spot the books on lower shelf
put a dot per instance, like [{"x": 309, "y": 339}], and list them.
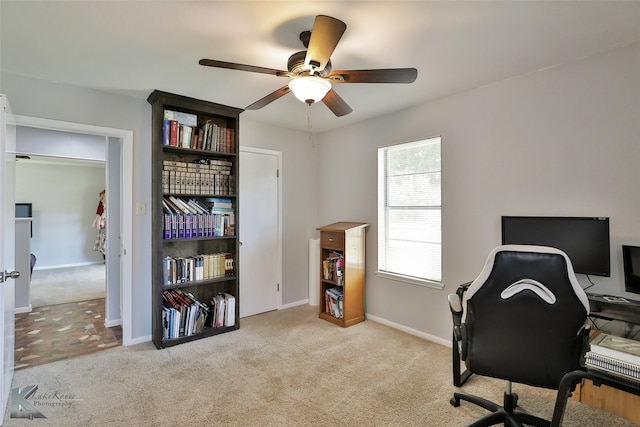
[
  {"x": 224, "y": 310},
  {"x": 183, "y": 315},
  {"x": 334, "y": 302},
  {"x": 615, "y": 355}
]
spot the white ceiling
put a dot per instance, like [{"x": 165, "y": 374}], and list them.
[{"x": 134, "y": 47}]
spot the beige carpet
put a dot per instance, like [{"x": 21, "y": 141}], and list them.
[
  {"x": 69, "y": 284},
  {"x": 283, "y": 368}
]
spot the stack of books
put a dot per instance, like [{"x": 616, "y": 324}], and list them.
[{"x": 618, "y": 356}]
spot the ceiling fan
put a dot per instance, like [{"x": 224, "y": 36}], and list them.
[{"x": 310, "y": 70}]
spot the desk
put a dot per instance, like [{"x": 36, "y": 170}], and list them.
[
  {"x": 599, "y": 379},
  {"x": 602, "y": 308}
]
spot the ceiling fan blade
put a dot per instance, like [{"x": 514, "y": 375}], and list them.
[
  {"x": 325, "y": 35},
  {"x": 390, "y": 75},
  {"x": 269, "y": 98},
  {"x": 336, "y": 104},
  {"x": 241, "y": 67}
]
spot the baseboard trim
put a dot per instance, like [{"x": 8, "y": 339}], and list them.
[
  {"x": 408, "y": 330},
  {"x": 54, "y": 267},
  {"x": 386, "y": 322},
  {"x": 27, "y": 309},
  {"x": 138, "y": 340},
  {"x": 112, "y": 323},
  {"x": 294, "y": 304}
]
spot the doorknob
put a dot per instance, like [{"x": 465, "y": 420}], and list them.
[{"x": 6, "y": 275}]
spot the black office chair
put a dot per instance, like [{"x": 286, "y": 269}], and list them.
[{"x": 524, "y": 320}]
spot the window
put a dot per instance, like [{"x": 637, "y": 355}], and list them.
[{"x": 409, "y": 212}]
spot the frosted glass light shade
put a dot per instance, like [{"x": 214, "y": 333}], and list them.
[{"x": 309, "y": 89}]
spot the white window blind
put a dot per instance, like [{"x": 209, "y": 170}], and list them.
[{"x": 409, "y": 211}]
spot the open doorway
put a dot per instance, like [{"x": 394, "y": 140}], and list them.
[
  {"x": 66, "y": 197},
  {"x": 119, "y": 167}
]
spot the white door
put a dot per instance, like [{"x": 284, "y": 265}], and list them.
[
  {"x": 7, "y": 251},
  {"x": 259, "y": 232}
]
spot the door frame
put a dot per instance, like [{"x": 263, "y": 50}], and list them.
[
  {"x": 7, "y": 250},
  {"x": 278, "y": 155},
  {"x": 126, "y": 204}
]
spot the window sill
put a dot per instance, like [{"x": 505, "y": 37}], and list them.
[{"x": 410, "y": 280}]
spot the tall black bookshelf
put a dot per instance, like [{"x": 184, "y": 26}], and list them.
[{"x": 195, "y": 248}]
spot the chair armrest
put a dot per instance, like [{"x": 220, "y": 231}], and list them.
[
  {"x": 455, "y": 305},
  {"x": 459, "y": 345},
  {"x": 583, "y": 345}
]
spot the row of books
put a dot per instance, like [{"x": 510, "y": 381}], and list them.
[
  {"x": 334, "y": 302},
  {"x": 182, "y": 130},
  {"x": 333, "y": 268},
  {"x": 183, "y": 315},
  {"x": 193, "y": 218},
  {"x": 198, "y": 267},
  {"x": 615, "y": 355},
  {"x": 196, "y": 178}
]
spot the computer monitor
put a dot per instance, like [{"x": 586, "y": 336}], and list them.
[
  {"x": 631, "y": 263},
  {"x": 24, "y": 210},
  {"x": 584, "y": 239}
]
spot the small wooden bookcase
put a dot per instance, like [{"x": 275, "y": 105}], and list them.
[{"x": 342, "y": 263}]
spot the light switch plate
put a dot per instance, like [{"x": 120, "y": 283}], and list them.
[{"x": 140, "y": 208}]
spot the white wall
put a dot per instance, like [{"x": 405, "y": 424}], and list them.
[
  {"x": 60, "y": 144},
  {"x": 64, "y": 197},
  {"x": 564, "y": 141}
]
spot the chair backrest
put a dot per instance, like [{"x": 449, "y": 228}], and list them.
[{"x": 524, "y": 316}]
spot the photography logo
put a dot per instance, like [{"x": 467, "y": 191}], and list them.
[{"x": 21, "y": 407}]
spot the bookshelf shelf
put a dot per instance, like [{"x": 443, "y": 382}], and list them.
[
  {"x": 195, "y": 248},
  {"x": 192, "y": 239},
  {"x": 342, "y": 256},
  {"x": 199, "y": 282}
]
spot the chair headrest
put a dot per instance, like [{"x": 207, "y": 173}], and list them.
[{"x": 528, "y": 284}]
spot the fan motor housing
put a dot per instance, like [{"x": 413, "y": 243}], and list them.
[{"x": 295, "y": 65}]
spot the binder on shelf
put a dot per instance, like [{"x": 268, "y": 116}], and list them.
[{"x": 230, "y": 307}]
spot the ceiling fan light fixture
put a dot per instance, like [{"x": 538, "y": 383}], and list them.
[{"x": 309, "y": 89}]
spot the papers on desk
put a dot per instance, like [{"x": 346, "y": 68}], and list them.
[{"x": 615, "y": 355}]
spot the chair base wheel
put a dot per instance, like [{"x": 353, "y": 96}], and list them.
[{"x": 454, "y": 402}]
